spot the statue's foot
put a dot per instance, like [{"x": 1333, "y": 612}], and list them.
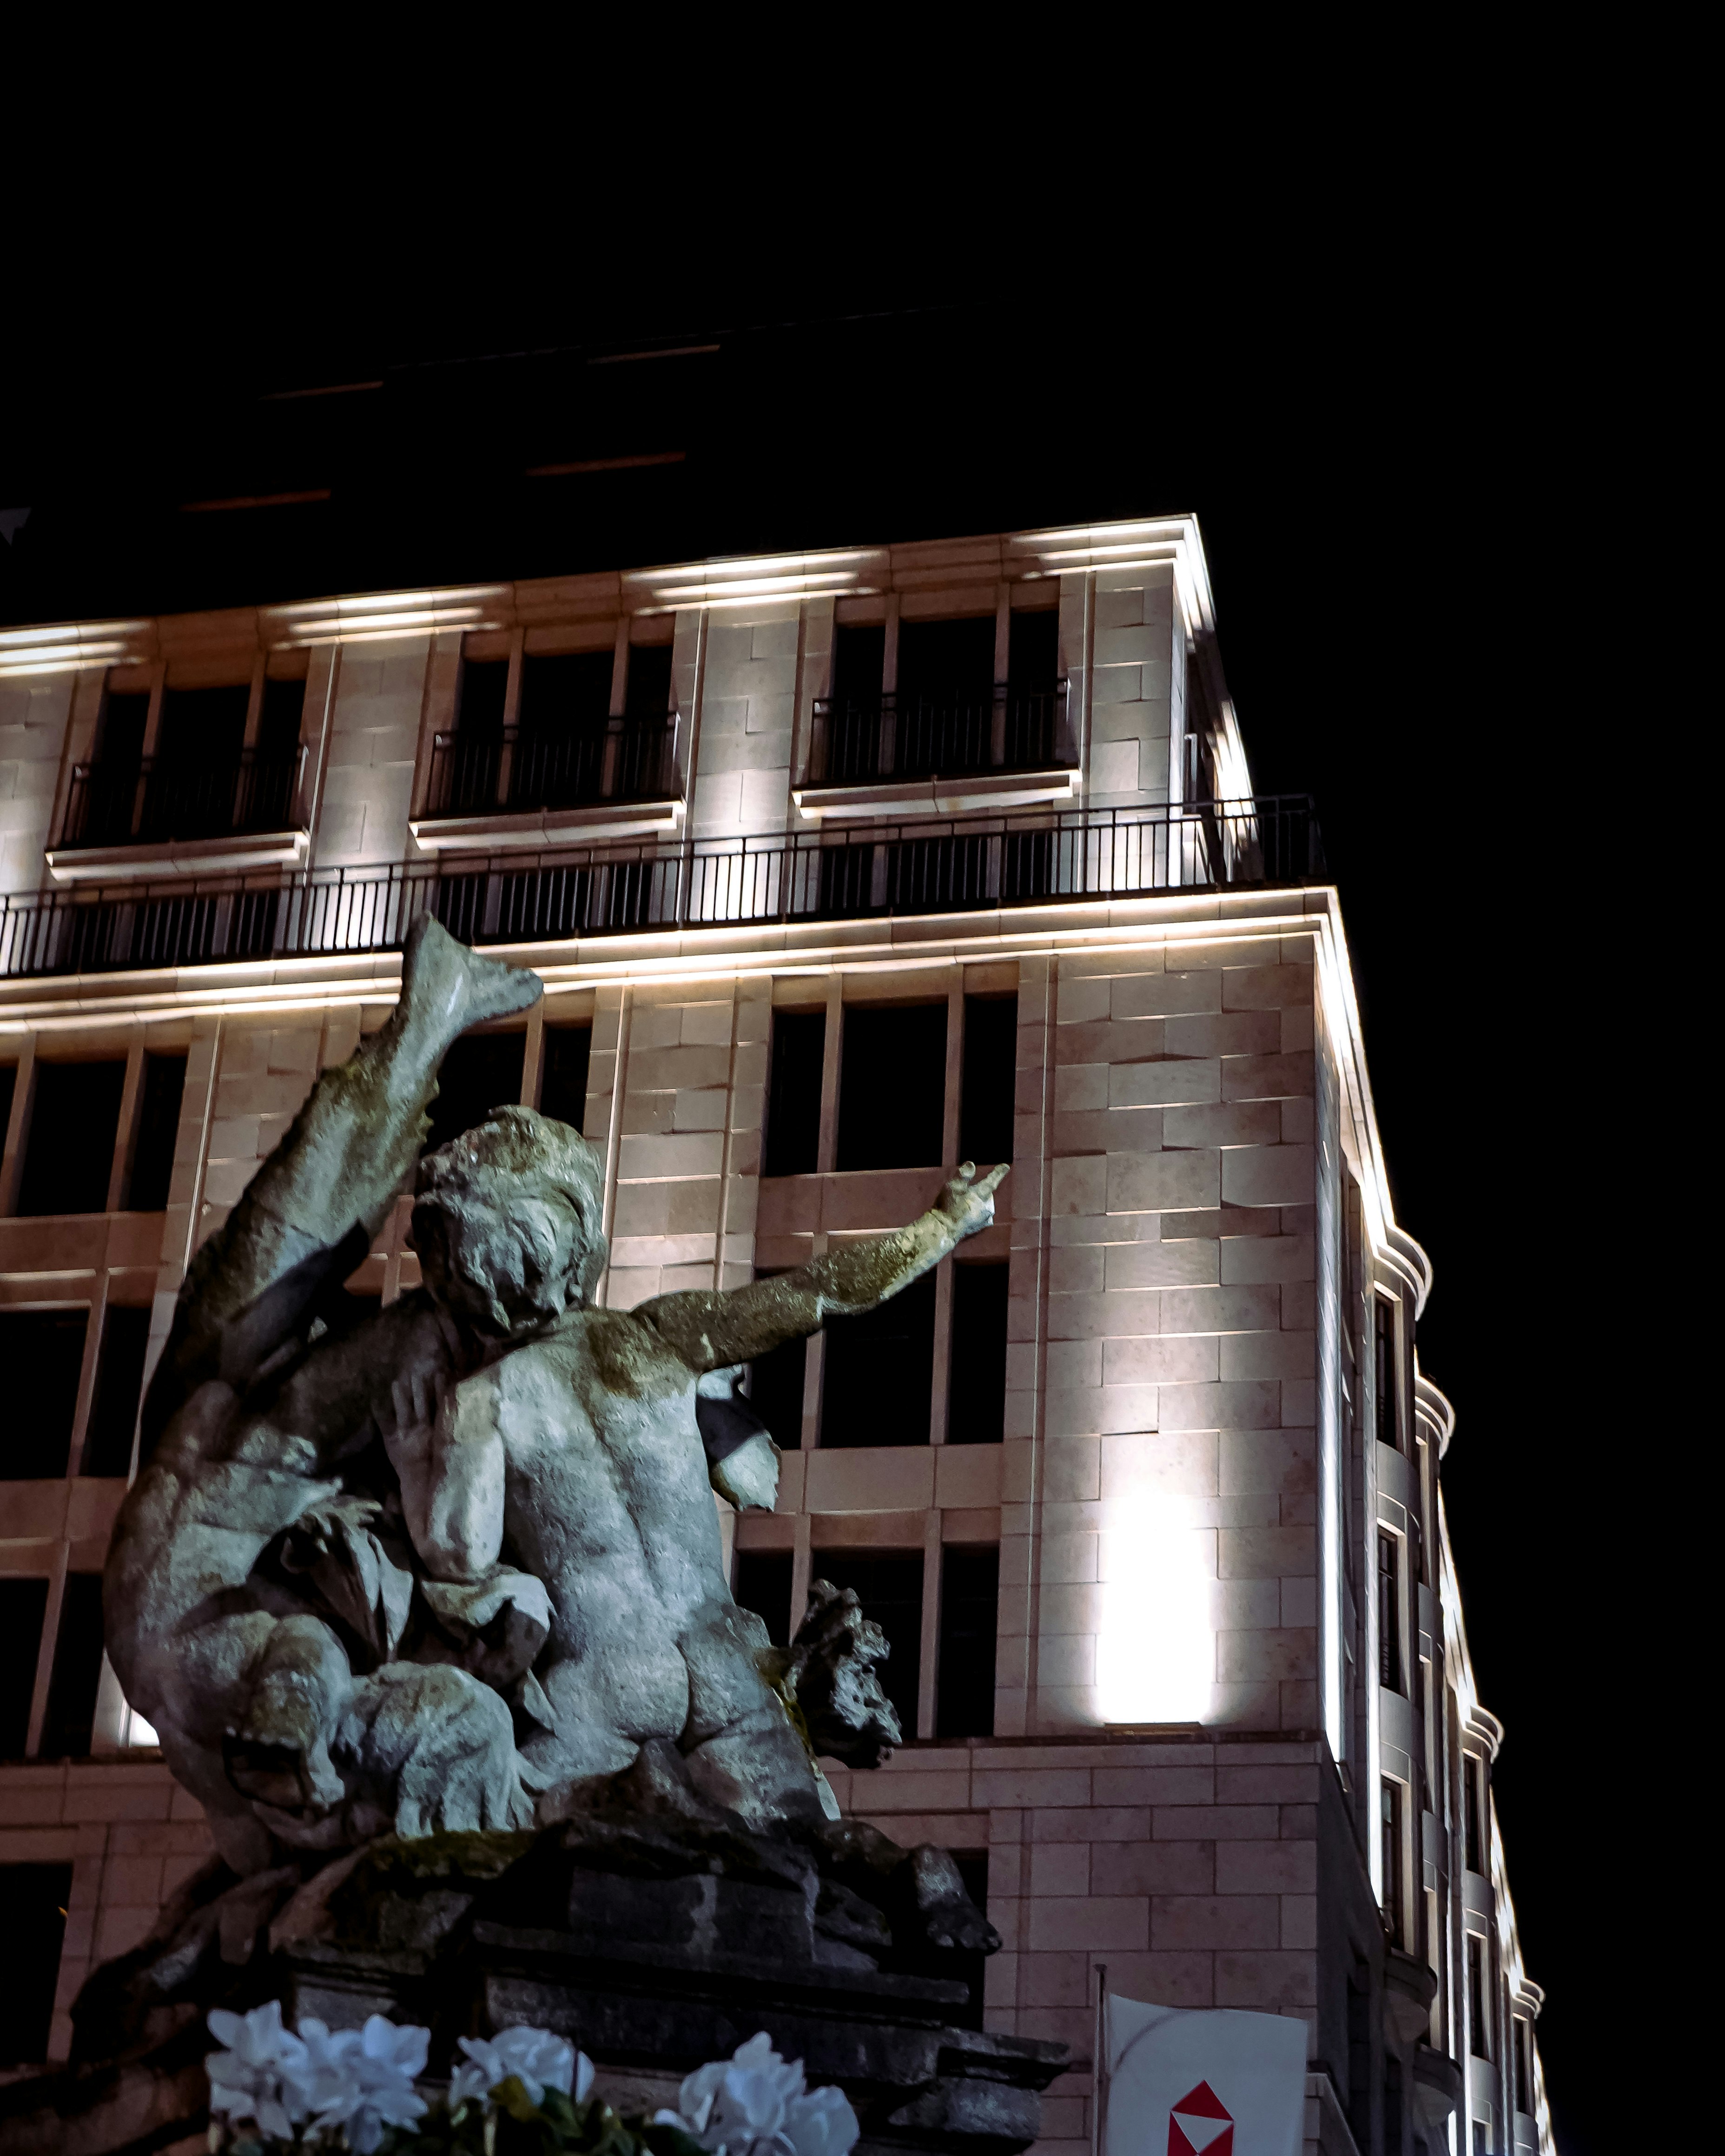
[{"x": 449, "y": 988}]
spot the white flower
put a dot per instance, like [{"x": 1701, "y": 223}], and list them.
[
  {"x": 538, "y": 2061},
  {"x": 755, "y": 2104},
  {"x": 364, "y": 2079},
  {"x": 257, "y": 2075}
]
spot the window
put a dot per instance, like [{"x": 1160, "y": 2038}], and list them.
[
  {"x": 24, "y": 1603},
  {"x": 1472, "y": 1814},
  {"x": 42, "y": 1355},
  {"x": 77, "y": 1670},
  {"x": 483, "y": 696},
  {"x": 892, "y": 1091},
  {"x": 971, "y": 1967},
  {"x": 75, "y": 1124},
  {"x": 482, "y": 1071},
  {"x": 560, "y": 748},
  {"x": 946, "y": 662},
  {"x": 970, "y": 1598},
  {"x": 9, "y": 1088},
  {"x": 119, "y": 1388},
  {"x": 152, "y": 1160},
  {"x": 35, "y": 1898},
  {"x": 1388, "y": 1421},
  {"x": 1390, "y": 1853},
  {"x": 986, "y": 1100},
  {"x": 763, "y": 1584},
  {"x": 859, "y": 662},
  {"x": 976, "y": 1405},
  {"x": 647, "y": 689},
  {"x": 775, "y": 1387},
  {"x": 1389, "y": 1613},
  {"x": 562, "y": 1078},
  {"x": 890, "y": 1587},
  {"x": 1523, "y": 2065},
  {"x": 878, "y": 1378},
  {"x": 1479, "y": 2030},
  {"x": 276, "y": 766},
  {"x": 793, "y": 1141}
]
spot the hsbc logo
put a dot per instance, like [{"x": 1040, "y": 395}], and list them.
[{"x": 1200, "y": 2124}]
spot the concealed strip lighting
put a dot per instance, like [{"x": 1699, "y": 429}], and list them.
[
  {"x": 327, "y": 389},
  {"x": 383, "y": 615},
  {"x": 606, "y": 463},
  {"x": 69, "y": 645},
  {"x": 256, "y": 501},
  {"x": 767, "y": 578},
  {"x": 663, "y": 351}
]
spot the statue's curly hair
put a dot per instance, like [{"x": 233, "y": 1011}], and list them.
[{"x": 537, "y": 1155}]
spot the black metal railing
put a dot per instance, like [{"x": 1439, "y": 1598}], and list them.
[
  {"x": 502, "y": 769},
  {"x": 1008, "y": 728},
  {"x": 148, "y": 800},
  {"x": 962, "y": 864}
]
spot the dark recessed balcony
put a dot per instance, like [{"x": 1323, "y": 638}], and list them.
[
  {"x": 1011, "y": 726},
  {"x": 506, "y": 770},
  {"x": 144, "y": 801}
]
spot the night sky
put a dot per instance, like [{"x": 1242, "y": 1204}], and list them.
[{"x": 1417, "y": 625}]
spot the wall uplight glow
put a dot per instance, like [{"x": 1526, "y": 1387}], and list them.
[{"x": 1156, "y": 1653}]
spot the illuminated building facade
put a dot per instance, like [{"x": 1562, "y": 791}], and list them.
[{"x": 839, "y": 869}]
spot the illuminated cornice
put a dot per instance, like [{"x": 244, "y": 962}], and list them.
[
  {"x": 63, "y": 647},
  {"x": 758, "y": 580},
  {"x": 1170, "y": 542},
  {"x": 375, "y": 617},
  {"x": 1433, "y": 1408},
  {"x": 1405, "y": 1256}
]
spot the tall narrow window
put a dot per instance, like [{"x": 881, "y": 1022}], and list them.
[
  {"x": 74, "y": 1122},
  {"x": 22, "y": 1604},
  {"x": 985, "y": 1108},
  {"x": 1389, "y": 1613},
  {"x": 119, "y": 1387},
  {"x": 1472, "y": 1820},
  {"x": 1523, "y": 2065},
  {"x": 970, "y": 1596},
  {"x": 1388, "y": 1421},
  {"x": 792, "y": 1140},
  {"x": 975, "y": 1403},
  {"x": 42, "y": 1355},
  {"x": 482, "y": 1071},
  {"x": 1390, "y": 1855},
  {"x": 859, "y": 662},
  {"x": 763, "y": 1584},
  {"x": 1479, "y": 2036},
  {"x": 647, "y": 692},
  {"x": 77, "y": 1670},
  {"x": 152, "y": 1160},
  {"x": 892, "y": 1092},
  {"x": 890, "y": 1588},
  {"x": 878, "y": 1375},
  {"x": 775, "y": 1387},
  {"x": 9, "y": 1088},
  {"x": 35, "y": 1898},
  {"x": 562, "y": 1079}
]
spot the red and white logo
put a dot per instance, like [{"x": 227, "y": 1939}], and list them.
[{"x": 1200, "y": 2124}]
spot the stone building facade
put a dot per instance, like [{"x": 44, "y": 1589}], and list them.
[{"x": 834, "y": 867}]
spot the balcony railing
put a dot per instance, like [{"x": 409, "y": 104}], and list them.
[
  {"x": 486, "y": 772},
  {"x": 1009, "y": 727},
  {"x": 964, "y": 864},
  {"x": 152, "y": 799}
]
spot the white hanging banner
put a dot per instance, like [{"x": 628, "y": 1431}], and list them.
[{"x": 1185, "y": 2083}]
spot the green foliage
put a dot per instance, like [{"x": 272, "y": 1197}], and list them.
[{"x": 511, "y": 2124}]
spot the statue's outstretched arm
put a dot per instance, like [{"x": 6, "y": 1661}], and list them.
[{"x": 711, "y": 1330}]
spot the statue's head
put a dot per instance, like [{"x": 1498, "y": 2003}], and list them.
[{"x": 507, "y": 1221}]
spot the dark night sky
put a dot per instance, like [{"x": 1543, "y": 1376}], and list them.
[{"x": 1371, "y": 423}]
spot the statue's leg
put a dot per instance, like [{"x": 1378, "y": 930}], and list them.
[
  {"x": 348, "y": 1151},
  {"x": 441, "y": 1743},
  {"x": 741, "y": 1749}
]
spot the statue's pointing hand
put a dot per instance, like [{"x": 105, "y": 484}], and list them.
[{"x": 969, "y": 1204}]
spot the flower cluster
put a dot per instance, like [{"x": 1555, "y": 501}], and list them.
[
  {"x": 350, "y": 2087},
  {"x": 350, "y": 2082},
  {"x": 757, "y": 2104}
]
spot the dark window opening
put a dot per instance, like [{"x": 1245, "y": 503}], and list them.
[
  {"x": 119, "y": 1388},
  {"x": 793, "y": 1141},
  {"x": 647, "y": 690},
  {"x": 202, "y": 725},
  {"x": 42, "y": 1354},
  {"x": 1388, "y": 1421},
  {"x": 23, "y": 1604},
  {"x": 569, "y": 691},
  {"x": 775, "y": 1387},
  {"x": 77, "y": 1670},
  {"x": 890, "y": 1588},
  {"x": 278, "y": 760},
  {"x": 126, "y": 720},
  {"x": 1523, "y": 2073},
  {"x": 1390, "y": 1855},
  {"x": 970, "y": 1600},
  {"x": 1360, "y": 2055},
  {"x": 9, "y": 1088},
  {"x": 976, "y": 1390},
  {"x": 74, "y": 1125},
  {"x": 482, "y": 1071},
  {"x": 859, "y": 662},
  {"x": 562, "y": 1078},
  {"x": 152, "y": 1160},
  {"x": 763, "y": 1584},
  {"x": 971, "y": 1968},
  {"x": 1472, "y": 1816},
  {"x": 878, "y": 1375},
  {"x": 947, "y": 660},
  {"x": 892, "y": 1085},
  {"x": 484, "y": 695},
  {"x": 559, "y": 756},
  {"x": 35, "y": 1898},
  {"x": 989, "y": 1086},
  {"x": 1389, "y": 1613},
  {"x": 1478, "y": 2029},
  {"x": 1033, "y": 650}
]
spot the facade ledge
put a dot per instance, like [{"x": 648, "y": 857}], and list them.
[
  {"x": 1405, "y": 1256},
  {"x": 251, "y": 849},
  {"x": 1437, "y": 2087},
  {"x": 546, "y": 827},
  {"x": 1487, "y": 1728},
  {"x": 937, "y": 797},
  {"x": 1433, "y": 1408}
]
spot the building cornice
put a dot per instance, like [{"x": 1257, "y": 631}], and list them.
[{"x": 1433, "y": 1408}]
